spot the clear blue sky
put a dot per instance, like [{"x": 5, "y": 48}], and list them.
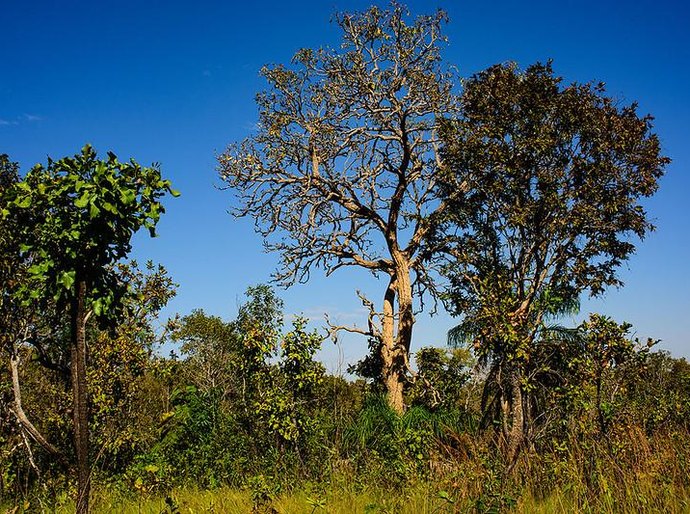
[{"x": 174, "y": 82}]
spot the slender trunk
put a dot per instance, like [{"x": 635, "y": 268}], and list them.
[
  {"x": 516, "y": 436},
  {"x": 79, "y": 401}
]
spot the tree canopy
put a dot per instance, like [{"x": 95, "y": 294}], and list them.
[{"x": 77, "y": 216}]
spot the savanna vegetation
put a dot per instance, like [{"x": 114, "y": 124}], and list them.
[{"x": 504, "y": 201}]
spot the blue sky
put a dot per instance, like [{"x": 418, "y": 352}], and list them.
[{"x": 174, "y": 82}]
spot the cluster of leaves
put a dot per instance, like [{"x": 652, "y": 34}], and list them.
[
  {"x": 79, "y": 215},
  {"x": 220, "y": 415}
]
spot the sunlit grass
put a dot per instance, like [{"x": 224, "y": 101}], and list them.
[
  {"x": 634, "y": 475},
  {"x": 640, "y": 496}
]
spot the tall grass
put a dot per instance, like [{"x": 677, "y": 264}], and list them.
[
  {"x": 423, "y": 463},
  {"x": 626, "y": 473},
  {"x": 641, "y": 496}
]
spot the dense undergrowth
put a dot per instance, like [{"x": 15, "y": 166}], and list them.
[
  {"x": 592, "y": 479},
  {"x": 249, "y": 421}
]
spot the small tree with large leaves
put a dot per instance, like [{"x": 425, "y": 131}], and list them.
[{"x": 76, "y": 218}]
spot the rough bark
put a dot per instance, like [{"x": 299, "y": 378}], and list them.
[
  {"x": 397, "y": 335},
  {"x": 392, "y": 373},
  {"x": 79, "y": 397},
  {"x": 516, "y": 435}
]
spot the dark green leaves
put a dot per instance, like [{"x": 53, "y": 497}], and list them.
[
  {"x": 66, "y": 278},
  {"x": 550, "y": 179}
]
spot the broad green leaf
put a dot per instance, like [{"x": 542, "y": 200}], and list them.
[
  {"x": 128, "y": 196},
  {"x": 97, "y": 307},
  {"x": 67, "y": 279},
  {"x": 82, "y": 201},
  {"x": 23, "y": 203}
]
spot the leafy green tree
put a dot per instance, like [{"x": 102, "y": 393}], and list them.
[
  {"x": 276, "y": 396},
  {"x": 227, "y": 371},
  {"x": 544, "y": 182},
  {"x": 12, "y": 266},
  {"x": 120, "y": 361},
  {"x": 660, "y": 393},
  {"x": 259, "y": 323},
  {"x": 9, "y": 176},
  {"x": 210, "y": 347},
  {"x": 76, "y": 219},
  {"x": 606, "y": 347},
  {"x": 441, "y": 375},
  {"x": 18, "y": 322},
  {"x": 342, "y": 169},
  {"x": 289, "y": 404},
  {"x": 247, "y": 388},
  {"x": 576, "y": 380}
]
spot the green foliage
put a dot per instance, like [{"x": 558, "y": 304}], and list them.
[
  {"x": 89, "y": 209},
  {"x": 496, "y": 494},
  {"x": 75, "y": 219},
  {"x": 660, "y": 392},
  {"x": 119, "y": 366},
  {"x": 534, "y": 201},
  {"x": 288, "y": 405},
  {"x": 442, "y": 375},
  {"x": 544, "y": 183},
  {"x": 391, "y": 449},
  {"x": 211, "y": 350},
  {"x": 589, "y": 372},
  {"x": 370, "y": 367},
  {"x": 263, "y": 491},
  {"x": 12, "y": 266},
  {"x": 259, "y": 322},
  {"x": 245, "y": 400},
  {"x": 551, "y": 179}
]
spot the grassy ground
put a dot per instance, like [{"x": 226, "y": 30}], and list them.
[
  {"x": 640, "y": 497},
  {"x": 638, "y": 478}
]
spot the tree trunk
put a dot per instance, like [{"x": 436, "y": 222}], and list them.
[
  {"x": 79, "y": 401},
  {"x": 395, "y": 346},
  {"x": 392, "y": 379},
  {"x": 516, "y": 435}
]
